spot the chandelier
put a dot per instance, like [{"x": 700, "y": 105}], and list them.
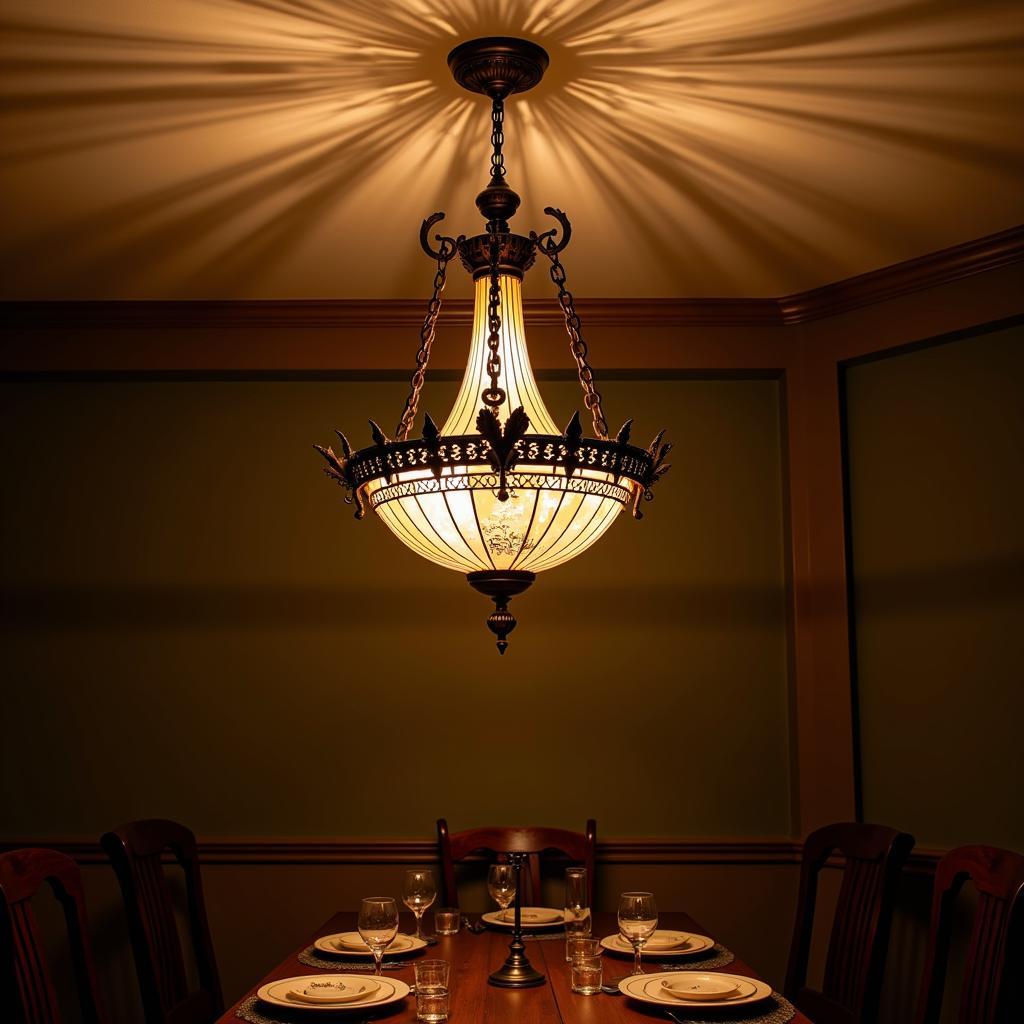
[{"x": 498, "y": 492}]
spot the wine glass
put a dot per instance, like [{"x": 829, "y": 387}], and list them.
[
  {"x": 638, "y": 921},
  {"x": 419, "y": 893},
  {"x": 378, "y": 925},
  {"x": 577, "y": 905},
  {"x": 501, "y": 884}
]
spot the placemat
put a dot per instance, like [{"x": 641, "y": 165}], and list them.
[
  {"x": 309, "y": 958},
  {"x": 247, "y": 1010},
  {"x": 781, "y": 1010},
  {"x": 716, "y": 956}
]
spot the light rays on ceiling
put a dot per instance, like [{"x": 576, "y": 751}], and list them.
[{"x": 289, "y": 148}]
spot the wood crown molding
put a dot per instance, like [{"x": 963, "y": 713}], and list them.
[
  {"x": 933, "y": 270},
  {"x": 417, "y": 851},
  {"x": 915, "y": 275}
]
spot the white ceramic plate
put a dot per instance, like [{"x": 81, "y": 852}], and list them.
[
  {"x": 388, "y": 991},
  {"x": 694, "y": 987},
  {"x": 647, "y": 988},
  {"x": 531, "y": 917},
  {"x": 694, "y": 944},
  {"x": 320, "y": 992},
  {"x": 350, "y": 944}
]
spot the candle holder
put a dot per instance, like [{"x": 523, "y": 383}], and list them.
[{"x": 517, "y": 971}]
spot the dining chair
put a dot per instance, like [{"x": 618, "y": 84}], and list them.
[
  {"x": 454, "y": 847},
  {"x": 27, "y": 992},
  {"x": 855, "y": 962},
  {"x": 991, "y": 987},
  {"x": 136, "y": 851}
]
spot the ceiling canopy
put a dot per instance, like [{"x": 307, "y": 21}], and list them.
[{"x": 291, "y": 148}]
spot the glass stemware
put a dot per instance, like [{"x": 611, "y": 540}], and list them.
[
  {"x": 501, "y": 884},
  {"x": 638, "y": 921},
  {"x": 378, "y": 926},
  {"x": 577, "y": 905},
  {"x": 419, "y": 893}
]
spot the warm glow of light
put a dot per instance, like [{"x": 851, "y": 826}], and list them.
[
  {"x": 215, "y": 149},
  {"x": 458, "y": 520},
  {"x": 517, "y": 375}
]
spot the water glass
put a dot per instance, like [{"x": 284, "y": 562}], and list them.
[
  {"x": 587, "y": 975},
  {"x": 577, "y": 908},
  {"x": 432, "y": 991},
  {"x": 581, "y": 945},
  {"x": 447, "y": 920}
]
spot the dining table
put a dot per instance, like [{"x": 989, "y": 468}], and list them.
[{"x": 473, "y": 956}]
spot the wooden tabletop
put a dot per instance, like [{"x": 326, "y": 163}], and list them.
[{"x": 474, "y": 957}]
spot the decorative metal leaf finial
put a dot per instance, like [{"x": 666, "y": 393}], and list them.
[
  {"x": 338, "y": 470},
  {"x": 572, "y": 437},
  {"x": 432, "y": 440},
  {"x": 657, "y": 452},
  {"x": 378, "y": 435},
  {"x": 503, "y": 443}
]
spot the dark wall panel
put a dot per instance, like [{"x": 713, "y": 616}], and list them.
[
  {"x": 195, "y": 627},
  {"x": 936, "y": 472}
]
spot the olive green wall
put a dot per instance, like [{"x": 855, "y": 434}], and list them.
[
  {"x": 195, "y": 627},
  {"x": 936, "y": 473}
]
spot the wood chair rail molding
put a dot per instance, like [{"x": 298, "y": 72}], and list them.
[{"x": 254, "y": 850}]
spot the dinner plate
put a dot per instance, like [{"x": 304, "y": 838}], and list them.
[
  {"x": 531, "y": 918},
  {"x": 695, "y": 944},
  {"x": 388, "y": 991},
  {"x": 321, "y": 992},
  {"x": 692, "y": 986},
  {"x": 647, "y": 988},
  {"x": 351, "y": 944},
  {"x": 664, "y": 939}
]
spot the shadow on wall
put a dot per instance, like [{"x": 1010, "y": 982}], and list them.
[{"x": 281, "y": 147}]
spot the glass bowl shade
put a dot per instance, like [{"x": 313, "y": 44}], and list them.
[{"x": 457, "y": 519}]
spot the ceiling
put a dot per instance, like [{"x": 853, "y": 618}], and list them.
[{"x": 290, "y": 148}]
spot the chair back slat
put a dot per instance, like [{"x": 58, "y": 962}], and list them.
[
  {"x": 846, "y": 965},
  {"x": 454, "y": 847},
  {"x": 874, "y": 857},
  {"x": 27, "y": 991},
  {"x": 35, "y": 984},
  {"x": 157, "y": 912},
  {"x": 990, "y": 993},
  {"x": 137, "y": 851}
]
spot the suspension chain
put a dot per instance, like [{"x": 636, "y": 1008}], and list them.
[
  {"x": 446, "y": 251},
  {"x": 497, "y": 140},
  {"x": 591, "y": 396},
  {"x": 493, "y": 396}
]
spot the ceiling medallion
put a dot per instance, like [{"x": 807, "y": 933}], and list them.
[{"x": 498, "y": 492}]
